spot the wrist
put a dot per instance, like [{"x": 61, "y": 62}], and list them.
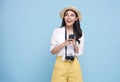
[
  {"x": 63, "y": 44},
  {"x": 75, "y": 46}
]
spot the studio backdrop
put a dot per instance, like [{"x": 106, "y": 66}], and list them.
[{"x": 26, "y": 28}]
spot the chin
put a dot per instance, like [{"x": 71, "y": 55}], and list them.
[{"x": 70, "y": 24}]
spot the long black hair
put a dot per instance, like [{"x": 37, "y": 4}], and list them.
[{"x": 76, "y": 26}]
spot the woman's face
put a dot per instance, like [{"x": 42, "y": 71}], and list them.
[{"x": 70, "y": 18}]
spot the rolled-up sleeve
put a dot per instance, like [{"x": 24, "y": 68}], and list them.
[
  {"x": 81, "y": 46},
  {"x": 53, "y": 42}
]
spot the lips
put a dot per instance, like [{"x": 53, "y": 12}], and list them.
[{"x": 69, "y": 21}]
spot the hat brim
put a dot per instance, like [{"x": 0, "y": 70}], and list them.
[{"x": 71, "y": 8}]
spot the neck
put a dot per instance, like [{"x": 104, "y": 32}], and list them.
[{"x": 69, "y": 30}]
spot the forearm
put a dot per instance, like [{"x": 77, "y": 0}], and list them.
[
  {"x": 76, "y": 48},
  {"x": 58, "y": 48}
]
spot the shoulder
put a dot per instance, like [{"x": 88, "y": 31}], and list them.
[
  {"x": 82, "y": 37},
  {"x": 58, "y": 29}
]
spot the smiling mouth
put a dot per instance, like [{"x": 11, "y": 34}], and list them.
[{"x": 69, "y": 21}]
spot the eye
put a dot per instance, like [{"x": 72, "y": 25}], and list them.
[
  {"x": 72, "y": 15},
  {"x": 66, "y": 14}
]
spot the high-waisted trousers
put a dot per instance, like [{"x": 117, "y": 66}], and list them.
[{"x": 66, "y": 71}]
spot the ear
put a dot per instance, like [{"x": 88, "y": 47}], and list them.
[{"x": 76, "y": 18}]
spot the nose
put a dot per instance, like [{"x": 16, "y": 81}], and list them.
[{"x": 68, "y": 16}]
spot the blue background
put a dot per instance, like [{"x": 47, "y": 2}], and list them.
[{"x": 25, "y": 31}]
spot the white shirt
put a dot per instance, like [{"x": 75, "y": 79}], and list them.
[{"x": 58, "y": 37}]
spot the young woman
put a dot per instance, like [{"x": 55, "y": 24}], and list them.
[{"x": 67, "y": 45}]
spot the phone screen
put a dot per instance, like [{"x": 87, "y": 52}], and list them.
[{"x": 71, "y": 36}]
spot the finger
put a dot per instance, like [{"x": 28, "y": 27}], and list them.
[{"x": 70, "y": 39}]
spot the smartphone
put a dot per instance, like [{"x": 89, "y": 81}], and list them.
[{"x": 71, "y": 36}]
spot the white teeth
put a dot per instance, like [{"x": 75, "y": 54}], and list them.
[{"x": 68, "y": 21}]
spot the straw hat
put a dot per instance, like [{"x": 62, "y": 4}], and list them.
[{"x": 71, "y": 8}]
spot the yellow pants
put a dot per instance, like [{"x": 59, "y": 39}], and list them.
[{"x": 66, "y": 71}]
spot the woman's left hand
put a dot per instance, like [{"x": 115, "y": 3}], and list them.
[{"x": 76, "y": 48}]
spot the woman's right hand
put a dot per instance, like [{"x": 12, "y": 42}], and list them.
[
  {"x": 68, "y": 42},
  {"x": 59, "y": 47}
]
